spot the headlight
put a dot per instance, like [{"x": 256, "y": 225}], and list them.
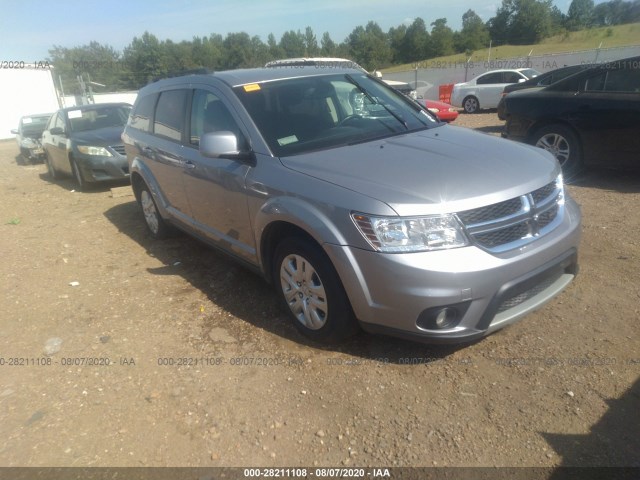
[
  {"x": 98, "y": 151},
  {"x": 433, "y": 110},
  {"x": 419, "y": 234}
]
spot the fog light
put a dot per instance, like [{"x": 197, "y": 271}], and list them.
[{"x": 443, "y": 317}]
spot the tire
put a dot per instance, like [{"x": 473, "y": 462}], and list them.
[
  {"x": 471, "y": 104},
  {"x": 53, "y": 174},
  {"x": 23, "y": 158},
  {"x": 311, "y": 292},
  {"x": 155, "y": 224},
  {"x": 564, "y": 145},
  {"x": 80, "y": 182}
]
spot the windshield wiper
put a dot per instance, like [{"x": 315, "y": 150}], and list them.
[{"x": 375, "y": 102}]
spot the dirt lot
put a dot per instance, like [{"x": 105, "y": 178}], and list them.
[{"x": 206, "y": 371}]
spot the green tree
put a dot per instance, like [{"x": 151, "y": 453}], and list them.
[
  {"x": 97, "y": 62},
  {"x": 580, "y": 14},
  {"x": 238, "y": 51},
  {"x": 441, "y": 38},
  {"x": 474, "y": 34},
  {"x": 207, "y": 51},
  {"x": 144, "y": 60},
  {"x": 293, "y": 44},
  {"x": 310, "y": 43},
  {"x": 396, "y": 43},
  {"x": 275, "y": 52},
  {"x": 417, "y": 43},
  {"x": 327, "y": 46},
  {"x": 521, "y": 22},
  {"x": 369, "y": 47}
]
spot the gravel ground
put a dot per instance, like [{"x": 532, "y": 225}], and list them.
[{"x": 205, "y": 370}]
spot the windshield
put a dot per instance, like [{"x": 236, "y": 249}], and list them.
[
  {"x": 34, "y": 125},
  {"x": 313, "y": 113},
  {"x": 101, "y": 117}
]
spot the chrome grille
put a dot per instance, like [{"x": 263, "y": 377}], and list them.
[
  {"x": 514, "y": 222},
  {"x": 118, "y": 149}
]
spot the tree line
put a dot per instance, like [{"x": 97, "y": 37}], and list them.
[{"x": 517, "y": 22}]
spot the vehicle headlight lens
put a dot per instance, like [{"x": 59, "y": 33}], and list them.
[
  {"x": 98, "y": 151},
  {"x": 28, "y": 143},
  {"x": 433, "y": 110},
  {"x": 419, "y": 234},
  {"x": 560, "y": 186}
]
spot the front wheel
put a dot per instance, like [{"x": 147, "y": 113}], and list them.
[
  {"x": 53, "y": 173},
  {"x": 563, "y": 144},
  {"x": 312, "y": 293},
  {"x": 77, "y": 175}
]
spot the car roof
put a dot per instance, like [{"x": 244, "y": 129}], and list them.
[
  {"x": 94, "y": 106},
  {"x": 236, "y": 78}
]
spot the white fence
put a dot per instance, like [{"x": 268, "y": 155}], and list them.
[{"x": 427, "y": 76}]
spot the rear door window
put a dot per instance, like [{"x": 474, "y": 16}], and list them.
[
  {"x": 141, "y": 117},
  {"x": 170, "y": 113}
]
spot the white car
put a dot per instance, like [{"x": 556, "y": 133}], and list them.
[{"x": 485, "y": 90}]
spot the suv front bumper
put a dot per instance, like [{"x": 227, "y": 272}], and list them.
[{"x": 392, "y": 293}]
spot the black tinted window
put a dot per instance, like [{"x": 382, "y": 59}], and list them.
[
  {"x": 141, "y": 117},
  {"x": 490, "y": 78},
  {"x": 512, "y": 77},
  {"x": 169, "y": 118}
]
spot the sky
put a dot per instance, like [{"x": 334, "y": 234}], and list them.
[{"x": 29, "y": 28}]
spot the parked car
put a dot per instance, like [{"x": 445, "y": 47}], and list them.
[
  {"x": 542, "y": 80},
  {"x": 28, "y": 135},
  {"x": 485, "y": 90},
  {"x": 357, "y": 204},
  {"x": 84, "y": 142},
  {"x": 589, "y": 118},
  {"x": 444, "y": 111}
]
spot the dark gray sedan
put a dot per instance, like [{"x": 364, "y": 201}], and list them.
[{"x": 85, "y": 142}]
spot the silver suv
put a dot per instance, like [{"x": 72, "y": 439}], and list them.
[{"x": 354, "y": 201}]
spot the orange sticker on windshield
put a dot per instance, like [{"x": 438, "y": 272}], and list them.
[{"x": 251, "y": 87}]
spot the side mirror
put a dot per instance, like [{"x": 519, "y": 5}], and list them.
[
  {"x": 522, "y": 80},
  {"x": 56, "y": 131},
  {"x": 14, "y": 131},
  {"x": 222, "y": 144}
]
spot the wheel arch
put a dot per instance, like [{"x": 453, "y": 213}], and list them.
[{"x": 539, "y": 125}]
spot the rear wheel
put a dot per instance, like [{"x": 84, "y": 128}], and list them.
[
  {"x": 471, "y": 104},
  {"x": 312, "y": 293},
  {"x": 563, "y": 144},
  {"x": 156, "y": 225}
]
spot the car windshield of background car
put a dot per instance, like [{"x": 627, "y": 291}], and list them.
[
  {"x": 314, "y": 113},
  {"x": 96, "y": 118}
]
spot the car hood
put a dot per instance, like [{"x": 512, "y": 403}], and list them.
[
  {"x": 441, "y": 170},
  {"x": 100, "y": 138}
]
